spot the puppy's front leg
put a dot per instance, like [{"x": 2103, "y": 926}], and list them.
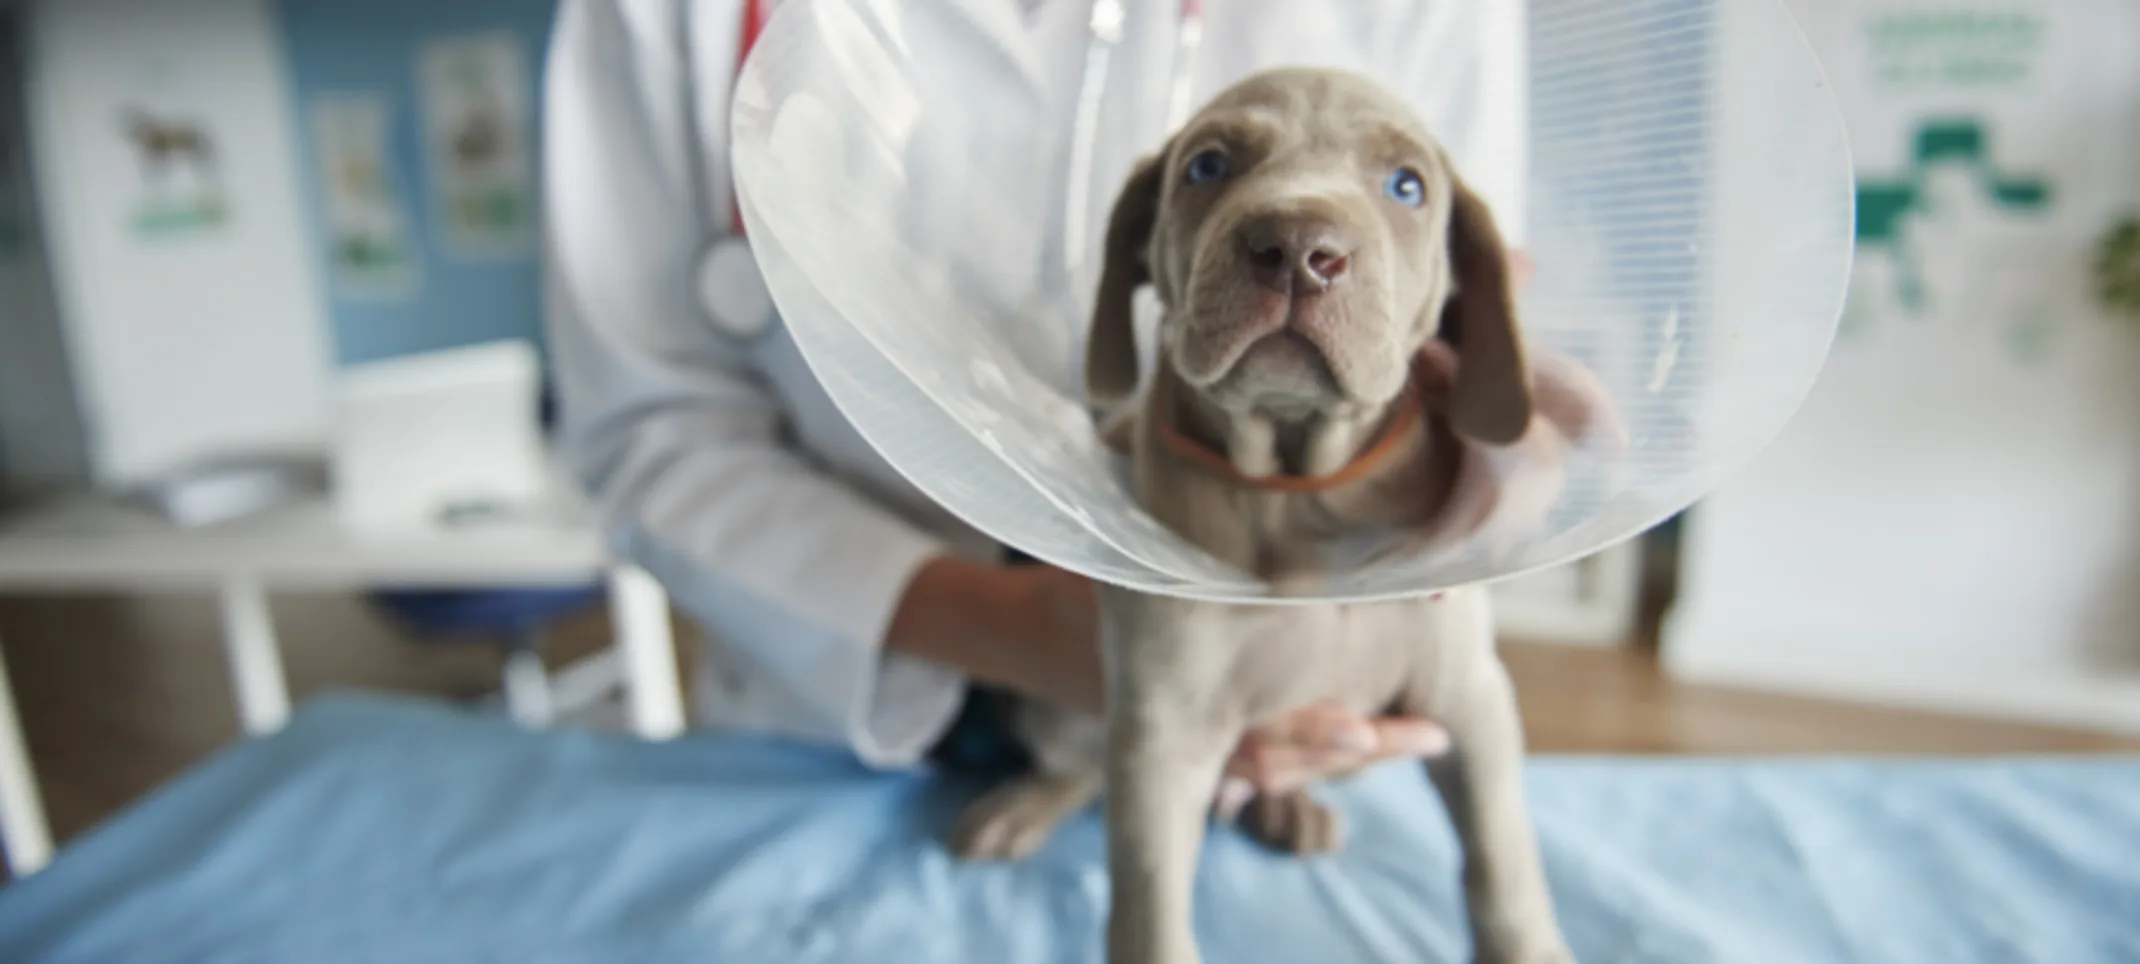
[
  {"x": 1167, "y": 742},
  {"x": 1481, "y": 782},
  {"x": 1159, "y": 790}
]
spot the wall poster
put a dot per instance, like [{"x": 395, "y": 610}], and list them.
[
  {"x": 1991, "y": 163},
  {"x": 370, "y": 252},
  {"x": 178, "y": 189},
  {"x": 478, "y": 129}
]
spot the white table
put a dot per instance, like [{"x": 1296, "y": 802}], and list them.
[{"x": 91, "y": 544}]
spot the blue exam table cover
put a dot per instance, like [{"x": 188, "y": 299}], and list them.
[{"x": 385, "y": 830}]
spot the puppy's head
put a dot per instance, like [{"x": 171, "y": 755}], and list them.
[{"x": 1308, "y": 238}]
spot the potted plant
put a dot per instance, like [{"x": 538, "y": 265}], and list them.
[{"x": 2117, "y": 267}]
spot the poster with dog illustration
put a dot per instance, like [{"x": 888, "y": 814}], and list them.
[
  {"x": 369, "y": 249},
  {"x": 179, "y": 189},
  {"x": 478, "y": 120}
]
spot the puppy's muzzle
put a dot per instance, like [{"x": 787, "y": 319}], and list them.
[{"x": 1295, "y": 255}]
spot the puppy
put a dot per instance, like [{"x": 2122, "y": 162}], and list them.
[{"x": 1339, "y": 354}]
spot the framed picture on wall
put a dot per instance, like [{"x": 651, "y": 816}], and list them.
[
  {"x": 478, "y": 129},
  {"x": 370, "y": 252}
]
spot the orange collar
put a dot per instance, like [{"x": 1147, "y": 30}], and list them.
[{"x": 1401, "y": 426}]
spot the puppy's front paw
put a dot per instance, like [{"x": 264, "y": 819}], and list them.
[
  {"x": 1293, "y": 823},
  {"x": 1015, "y": 820},
  {"x": 1544, "y": 947},
  {"x": 1557, "y": 955}
]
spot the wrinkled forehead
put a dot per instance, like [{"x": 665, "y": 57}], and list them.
[{"x": 1314, "y": 113}]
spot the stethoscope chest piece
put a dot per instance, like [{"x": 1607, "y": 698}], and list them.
[{"x": 732, "y": 290}]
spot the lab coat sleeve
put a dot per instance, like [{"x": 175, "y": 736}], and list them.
[{"x": 793, "y": 575}]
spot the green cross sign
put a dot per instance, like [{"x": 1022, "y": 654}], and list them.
[{"x": 1886, "y": 205}]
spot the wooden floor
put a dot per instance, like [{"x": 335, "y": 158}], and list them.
[
  {"x": 1616, "y": 701},
  {"x": 119, "y": 694}
]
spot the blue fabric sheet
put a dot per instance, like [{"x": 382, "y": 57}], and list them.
[{"x": 377, "y": 830}]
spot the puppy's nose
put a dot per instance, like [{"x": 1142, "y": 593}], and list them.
[{"x": 1290, "y": 255}]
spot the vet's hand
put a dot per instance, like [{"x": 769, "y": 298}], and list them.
[{"x": 1318, "y": 743}]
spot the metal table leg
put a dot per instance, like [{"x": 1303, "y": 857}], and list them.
[
  {"x": 255, "y": 662},
  {"x": 23, "y": 830},
  {"x": 639, "y": 608}
]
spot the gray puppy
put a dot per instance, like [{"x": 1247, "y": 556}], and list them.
[{"x": 1339, "y": 352}]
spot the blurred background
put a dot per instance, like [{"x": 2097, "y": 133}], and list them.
[{"x": 271, "y": 355}]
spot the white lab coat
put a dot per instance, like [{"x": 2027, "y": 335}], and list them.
[{"x": 720, "y": 464}]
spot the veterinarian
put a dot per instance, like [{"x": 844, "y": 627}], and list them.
[{"x": 839, "y": 604}]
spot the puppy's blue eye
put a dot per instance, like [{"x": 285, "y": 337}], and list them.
[
  {"x": 1406, "y": 187},
  {"x": 1206, "y": 166}
]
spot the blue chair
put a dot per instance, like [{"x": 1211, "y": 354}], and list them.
[{"x": 516, "y": 620}]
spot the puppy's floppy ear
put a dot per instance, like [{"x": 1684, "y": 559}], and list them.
[
  {"x": 1491, "y": 398},
  {"x": 1111, "y": 344}
]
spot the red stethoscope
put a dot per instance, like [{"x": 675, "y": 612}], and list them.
[{"x": 732, "y": 289}]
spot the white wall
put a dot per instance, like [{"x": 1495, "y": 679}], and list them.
[
  {"x": 1953, "y": 520},
  {"x": 191, "y": 343}
]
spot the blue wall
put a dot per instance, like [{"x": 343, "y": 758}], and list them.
[{"x": 341, "y": 46}]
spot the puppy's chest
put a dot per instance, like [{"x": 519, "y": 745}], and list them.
[
  {"x": 1287, "y": 657},
  {"x": 1292, "y": 536}
]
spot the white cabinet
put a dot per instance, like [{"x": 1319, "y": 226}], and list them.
[{"x": 163, "y": 149}]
